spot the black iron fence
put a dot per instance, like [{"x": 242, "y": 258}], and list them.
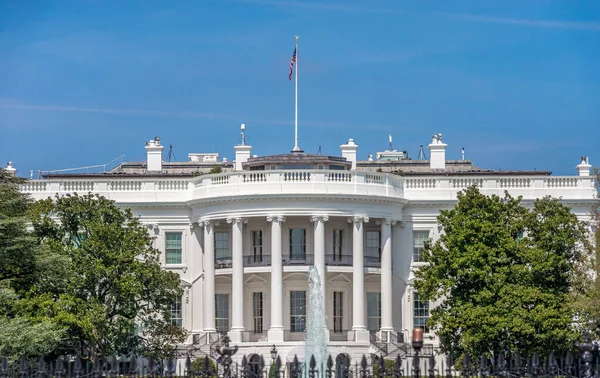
[{"x": 584, "y": 365}]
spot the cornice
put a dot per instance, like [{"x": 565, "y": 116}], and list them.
[{"x": 299, "y": 197}]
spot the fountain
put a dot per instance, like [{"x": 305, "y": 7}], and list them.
[{"x": 316, "y": 328}]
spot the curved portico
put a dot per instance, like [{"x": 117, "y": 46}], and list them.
[{"x": 317, "y": 228}]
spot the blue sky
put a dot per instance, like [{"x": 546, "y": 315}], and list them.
[{"x": 515, "y": 82}]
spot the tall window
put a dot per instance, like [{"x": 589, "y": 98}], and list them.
[
  {"x": 338, "y": 240},
  {"x": 257, "y": 245},
  {"x": 222, "y": 312},
  {"x": 373, "y": 311},
  {"x": 222, "y": 251},
  {"x": 173, "y": 247},
  {"x": 374, "y": 244},
  {"x": 338, "y": 311},
  {"x": 421, "y": 312},
  {"x": 419, "y": 238},
  {"x": 297, "y": 311},
  {"x": 176, "y": 314},
  {"x": 257, "y": 311},
  {"x": 297, "y": 244}
]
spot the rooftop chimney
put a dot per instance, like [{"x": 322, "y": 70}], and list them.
[
  {"x": 242, "y": 151},
  {"x": 10, "y": 168},
  {"x": 154, "y": 155},
  {"x": 437, "y": 153},
  {"x": 584, "y": 167},
  {"x": 349, "y": 152}
]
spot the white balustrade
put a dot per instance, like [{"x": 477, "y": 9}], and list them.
[
  {"x": 421, "y": 183},
  {"x": 313, "y": 182},
  {"x": 339, "y": 176},
  {"x": 77, "y": 186},
  {"x": 173, "y": 185},
  {"x": 125, "y": 186},
  {"x": 517, "y": 182}
]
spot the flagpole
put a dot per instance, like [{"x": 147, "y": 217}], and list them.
[{"x": 296, "y": 148}]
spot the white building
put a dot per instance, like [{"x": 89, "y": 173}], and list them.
[{"x": 242, "y": 240}]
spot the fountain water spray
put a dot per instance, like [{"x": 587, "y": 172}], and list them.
[{"x": 316, "y": 328}]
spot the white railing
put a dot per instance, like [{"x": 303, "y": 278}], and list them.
[
  {"x": 313, "y": 182},
  {"x": 126, "y": 186}
]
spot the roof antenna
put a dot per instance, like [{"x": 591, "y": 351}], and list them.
[
  {"x": 463, "y": 153},
  {"x": 171, "y": 153},
  {"x": 243, "y": 131},
  {"x": 421, "y": 154},
  {"x": 319, "y": 152},
  {"x": 391, "y": 148}
]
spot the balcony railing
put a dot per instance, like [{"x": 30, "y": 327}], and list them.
[
  {"x": 223, "y": 262},
  {"x": 257, "y": 260},
  {"x": 338, "y": 259},
  {"x": 254, "y": 336},
  {"x": 298, "y": 259},
  {"x": 305, "y": 259},
  {"x": 340, "y": 335},
  {"x": 372, "y": 262}
]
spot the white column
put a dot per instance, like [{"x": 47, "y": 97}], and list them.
[
  {"x": 275, "y": 333},
  {"x": 209, "y": 276},
  {"x": 237, "y": 279},
  {"x": 386, "y": 276},
  {"x": 319, "y": 249},
  {"x": 358, "y": 280}
]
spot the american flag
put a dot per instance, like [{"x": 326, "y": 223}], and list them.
[{"x": 292, "y": 64}]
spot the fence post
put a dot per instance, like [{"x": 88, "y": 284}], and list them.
[
  {"x": 4, "y": 367},
  {"x": 41, "y": 367}
]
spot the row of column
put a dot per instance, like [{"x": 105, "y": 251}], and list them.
[{"x": 276, "y": 333}]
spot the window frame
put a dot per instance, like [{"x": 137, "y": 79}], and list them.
[
  {"x": 370, "y": 249},
  {"x": 302, "y": 253},
  {"x": 220, "y": 320},
  {"x": 416, "y": 299},
  {"x": 338, "y": 311},
  {"x": 177, "y": 309},
  {"x": 167, "y": 249},
  {"x": 258, "y": 312},
  {"x": 257, "y": 257},
  {"x": 417, "y": 254},
  {"x": 298, "y": 317},
  {"x": 338, "y": 244},
  {"x": 371, "y": 317},
  {"x": 227, "y": 256}
]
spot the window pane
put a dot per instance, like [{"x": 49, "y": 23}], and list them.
[
  {"x": 338, "y": 311},
  {"x": 257, "y": 310},
  {"x": 298, "y": 244},
  {"x": 338, "y": 237},
  {"x": 421, "y": 312},
  {"x": 373, "y": 311},
  {"x": 297, "y": 311},
  {"x": 257, "y": 245},
  {"x": 176, "y": 313},
  {"x": 222, "y": 251},
  {"x": 173, "y": 248},
  {"x": 419, "y": 238},
  {"x": 373, "y": 243},
  {"x": 222, "y": 312}
]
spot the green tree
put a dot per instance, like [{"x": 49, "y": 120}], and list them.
[
  {"x": 216, "y": 169},
  {"x": 500, "y": 275},
  {"x": 22, "y": 263},
  {"x": 113, "y": 297}
]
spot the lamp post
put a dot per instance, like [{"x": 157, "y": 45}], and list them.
[
  {"x": 275, "y": 362},
  {"x": 417, "y": 344}
]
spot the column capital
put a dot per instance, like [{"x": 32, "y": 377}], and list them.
[
  {"x": 390, "y": 221},
  {"x": 358, "y": 219},
  {"x": 207, "y": 223},
  {"x": 152, "y": 226},
  {"x": 276, "y": 218},
  {"x": 316, "y": 218},
  {"x": 236, "y": 220}
]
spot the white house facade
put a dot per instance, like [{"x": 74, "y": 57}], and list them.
[{"x": 243, "y": 240}]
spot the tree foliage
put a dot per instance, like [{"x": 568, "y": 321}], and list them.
[
  {"x": 22, "y": 263},
  {"x": 113, "y": 296},
  {"x": 500, "y": 275}
]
